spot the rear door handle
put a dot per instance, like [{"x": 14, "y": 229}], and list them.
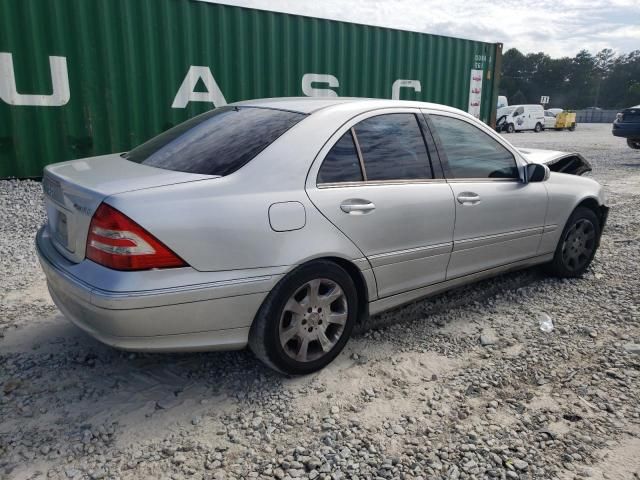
[
  {"x": 357, "y": 206},
  {"x": 468, "y": 198}
]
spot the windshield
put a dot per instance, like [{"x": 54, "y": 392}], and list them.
[
  {"x": 505, "y": 111},
  {"x": 217, "y": 142}
]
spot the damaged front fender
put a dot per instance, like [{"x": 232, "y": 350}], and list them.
[{"x": 572, "y": 163}]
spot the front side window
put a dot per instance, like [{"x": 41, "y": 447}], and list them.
[
  {"x": 518, "y": 111},
  {"x": 341, "y": 163},
  {"x": 470, "y": 152},
  {"x": 218, "y": 142},
  {"x": 393, "y": 148}
]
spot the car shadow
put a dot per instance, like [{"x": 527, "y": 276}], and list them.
[{"x": 68, "y": 378}]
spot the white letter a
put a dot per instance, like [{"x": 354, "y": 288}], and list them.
[{"x": 186, "y": 92}]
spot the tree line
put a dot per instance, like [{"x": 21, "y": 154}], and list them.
[{"x": 604, "y": 80}]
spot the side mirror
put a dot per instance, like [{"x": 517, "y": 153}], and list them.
[{"x": 536, "y": 172}]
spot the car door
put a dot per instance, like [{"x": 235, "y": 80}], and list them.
[
  {"x": 375, "y": 182},
  {"x": 499, "y": 219},
  {"x": 519, "y": 118},
  {"x": 529, "y": 119}
]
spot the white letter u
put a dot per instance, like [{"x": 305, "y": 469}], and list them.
[{"x": 59, "y": 80}]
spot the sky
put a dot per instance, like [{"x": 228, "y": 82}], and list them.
[{"x": 557, "y": 27}]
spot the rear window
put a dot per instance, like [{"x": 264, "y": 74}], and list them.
[{"x": 217, "y": 142}]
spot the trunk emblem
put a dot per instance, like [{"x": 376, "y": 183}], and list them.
[{"x": 82, "y": 209}]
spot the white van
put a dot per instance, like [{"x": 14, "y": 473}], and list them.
[
  {"x": 522, "y": 117},
  {"x": 502, "y": 102}
]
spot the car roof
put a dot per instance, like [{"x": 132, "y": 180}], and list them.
[{"x": 308, "y": 105}]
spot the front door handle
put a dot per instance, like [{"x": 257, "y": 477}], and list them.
[
  {"x": 468, "y": 198},
  {"x": 357, "y": 206}
]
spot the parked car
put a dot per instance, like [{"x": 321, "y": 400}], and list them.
[
  {"x": 549, "y": 120},
  {"x": 516, "y": 118},
  {"x": 627, "y": 125},
  {"x": 282, "y": 223},
  {"x": 502, "y": 102}
]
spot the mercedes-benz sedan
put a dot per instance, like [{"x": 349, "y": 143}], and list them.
[{"x": 281, "y": 223}]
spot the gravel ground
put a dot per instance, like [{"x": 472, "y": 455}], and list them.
[{"x": 458, "y": 387}]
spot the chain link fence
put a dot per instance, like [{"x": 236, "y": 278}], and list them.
[{"x": 596, "y": 116}]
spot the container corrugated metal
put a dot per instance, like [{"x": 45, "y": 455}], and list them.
[{"x": 87, "y": 77}]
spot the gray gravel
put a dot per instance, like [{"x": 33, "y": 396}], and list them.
[
  {"x": 22, "y": 214},
  {"x": 463, "y": 386}
]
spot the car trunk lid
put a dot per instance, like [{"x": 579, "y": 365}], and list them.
[{"x": 73, "y": 191}]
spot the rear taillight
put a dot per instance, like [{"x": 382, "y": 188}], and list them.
[{"x": 118, "y": 242}]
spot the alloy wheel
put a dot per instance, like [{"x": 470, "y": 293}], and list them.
[
  {"x": 313, "y": 320},
  {"x": 579, "y": 244}
]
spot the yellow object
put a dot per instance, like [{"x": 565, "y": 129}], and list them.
[{"x": 566, "y": 120}]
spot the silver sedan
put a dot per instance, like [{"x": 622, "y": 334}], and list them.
[{"x": 282, "y": 223}]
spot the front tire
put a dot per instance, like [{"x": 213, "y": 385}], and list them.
[
  {"x": 511, "y": 128},
  {"x": 577, "y": 245},
  {"x": 634, "y": 143},
  {"x": 306, "y": 320}
]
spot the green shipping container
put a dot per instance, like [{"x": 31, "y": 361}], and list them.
[{"x": 86, "y": 77}]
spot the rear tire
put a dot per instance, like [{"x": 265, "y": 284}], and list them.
[
  {"x": 538, "y": 128},
  {"x": 634, "y": 143},
  {"x": 306, "y": 320},
  {"x": 577, "y": 245},
  {"x": 572, "y": 127}
]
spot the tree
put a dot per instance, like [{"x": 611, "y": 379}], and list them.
[
  {"x": 621, "y": 86},
  {"x": 604, "y": 79}
]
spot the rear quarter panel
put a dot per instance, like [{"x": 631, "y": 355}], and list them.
[{"x": 218, "y": 224}]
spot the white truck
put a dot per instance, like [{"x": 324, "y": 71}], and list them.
[{"x": 516, "y": 118}]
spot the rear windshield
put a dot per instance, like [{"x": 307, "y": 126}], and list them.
[{"x": 217, "y": 142}]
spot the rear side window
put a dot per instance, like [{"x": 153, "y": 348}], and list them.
[
  {"x": 341, "y": 163},
  {"x": 217, "y": 142},
  {"x": 393, "y": 148},
  {"x": 470, "y": 152}
]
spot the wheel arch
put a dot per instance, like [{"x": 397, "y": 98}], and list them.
[
  {"x": 361, "y": 285},
  {"x": 365, "y": 285},
  {"x": 593, "y": 204}
]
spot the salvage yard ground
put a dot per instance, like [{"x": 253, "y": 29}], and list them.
[{"x": 461, "y": 386}]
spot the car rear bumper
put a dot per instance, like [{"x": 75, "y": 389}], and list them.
[
  {"x": 626, "y": 130},
  {"x": 211, "y": 315}
]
